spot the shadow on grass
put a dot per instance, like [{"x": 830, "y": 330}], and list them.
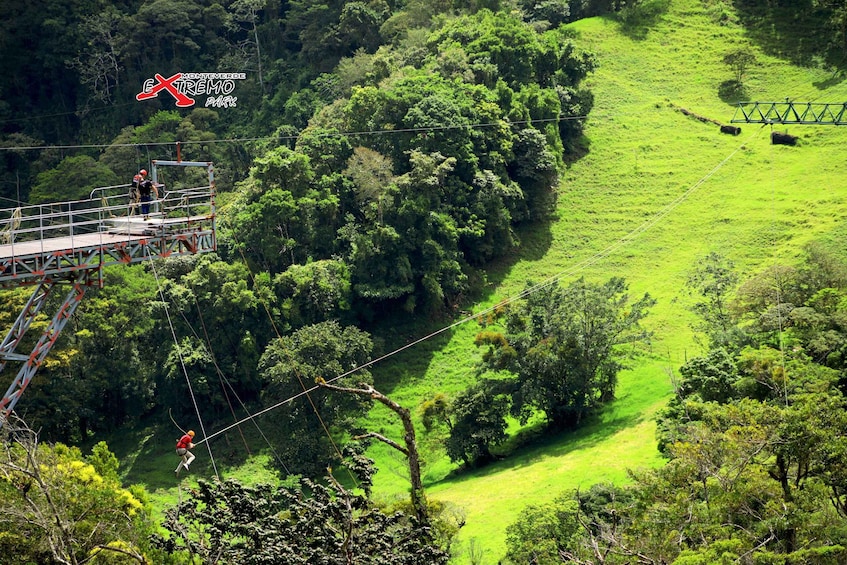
[
  {"x": 535, "y": 238},
  {"x": 414, "y": 344},
  {"x": 636, "y": 21},
  {"x": 795, "y": 31},
  {"x": 837, "y": 78},
  {"x": 416, "y": 339},
  {"x": 537, "y": 442},
  {"x": 732, "y": 92}
]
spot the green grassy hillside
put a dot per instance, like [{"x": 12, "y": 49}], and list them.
[
  {"x": 653, "y": 193},
  {"x": 656, "y": 191}
]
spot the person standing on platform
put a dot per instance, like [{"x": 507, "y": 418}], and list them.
[
  {"x": 135, "y": 188},
  {"x": 147, "y": 190}
]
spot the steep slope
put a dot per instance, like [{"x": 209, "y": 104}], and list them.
[{"x": 656, "y": 191}]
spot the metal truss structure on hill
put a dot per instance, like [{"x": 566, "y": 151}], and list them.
[{"x": 806, "y": 113}]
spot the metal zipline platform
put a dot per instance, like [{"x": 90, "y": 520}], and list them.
[
  {"x": 71, "y": 242},
  {"x": 58, "y": 240}
]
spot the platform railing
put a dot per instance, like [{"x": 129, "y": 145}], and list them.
[{"x": 100, "y": 213}]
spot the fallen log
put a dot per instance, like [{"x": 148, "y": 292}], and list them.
[{"x": 697, "y": 116}]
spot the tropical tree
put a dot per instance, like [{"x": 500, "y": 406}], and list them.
[
  {"x": 61, "y": 507},
  {"x": 209, "y": 327},
  {"x": 307, "y": 419},
  {"x": 286, "y": 217},
  {"x": 740, "y": 61},
  {"x": 563, "y": 345},
  {"x": 314, "y": 292},
  {"x": 298, "y": 522},
  {"x": 756, "y": 479},
  {"x": 72, "y": 179},
  {"x": 713, "y": 282},
  {"x": 101, "y": 372},
  {"x": 477, "y": 422}
]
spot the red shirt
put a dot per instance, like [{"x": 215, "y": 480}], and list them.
[{"x": 184, "y": 442}]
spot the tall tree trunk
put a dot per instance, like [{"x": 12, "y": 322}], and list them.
[{"x": 410, "y": 450}]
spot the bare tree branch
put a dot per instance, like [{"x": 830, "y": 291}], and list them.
[{"x": 411, "y": 450}]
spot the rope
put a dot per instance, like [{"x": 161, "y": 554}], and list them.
[
  {"x": 217, "y": 369},
  {"x": 427, "y": 129},
  {"x": 174, "y": 421},
  {"x": 582, "y": 265},
  {"x": 181, "y": 361},
  {"x": 776, "y": 273},
  {"x": 8, "y": 233},
  {"x": 296, "y": 371},
  {"x": 225, "y": 380}
]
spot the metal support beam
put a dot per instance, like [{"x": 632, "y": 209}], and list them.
[
  {"x": 25, "y": 318},
  {"x": 72, "y": 242},
  {"x": 45, "y": 342},
  {"x": 807, "y": 113}
]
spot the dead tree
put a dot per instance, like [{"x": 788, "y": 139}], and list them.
[{"x": 410, "y": 450}]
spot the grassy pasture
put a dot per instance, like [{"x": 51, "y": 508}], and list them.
[{"x": 654, "y": 193}]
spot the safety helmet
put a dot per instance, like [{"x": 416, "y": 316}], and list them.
[
  {"x": 191, "y": 433},
  {"x": 143, "y": 171}
]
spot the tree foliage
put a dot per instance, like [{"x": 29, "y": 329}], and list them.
[
  {"x": 290, "y": 366},
  {"x": 61, "y": 507},
  {"x": 300, "y": 522},
  {"x": 477, "y": 421},
  {"x": 563, "y": 345},
  {"x": 72, "y": 179},
  {"x": 755, "y": 437}
]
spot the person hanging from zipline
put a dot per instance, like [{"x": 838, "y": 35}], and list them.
[{"x": 182, "y": 446}]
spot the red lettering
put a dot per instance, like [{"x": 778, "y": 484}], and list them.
[{"x": 182, "y": 101}]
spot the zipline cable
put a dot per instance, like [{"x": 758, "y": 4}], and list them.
[
  {"x": 294, "y": 137},
  {"x": 222, "y": 376},
  {"x": 181, "y": 360},
  {"x": 623, "y": 241},
  {"x": 777, "y": 281}
]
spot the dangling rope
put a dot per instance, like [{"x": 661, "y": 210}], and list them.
[
  {"x": 8, "y": 233},
  {"x": 228, "y": 384},
  {"x": 174, "y": 421},
  {"x": 221, "y": 378},
  {"x": 181, "y": 361},
  {"x": 777, "y": 281}
]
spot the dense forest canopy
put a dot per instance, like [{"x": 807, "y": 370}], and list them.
[
  {"x": 72, "y": 68},
  {"x": 755, "y": 437}
]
